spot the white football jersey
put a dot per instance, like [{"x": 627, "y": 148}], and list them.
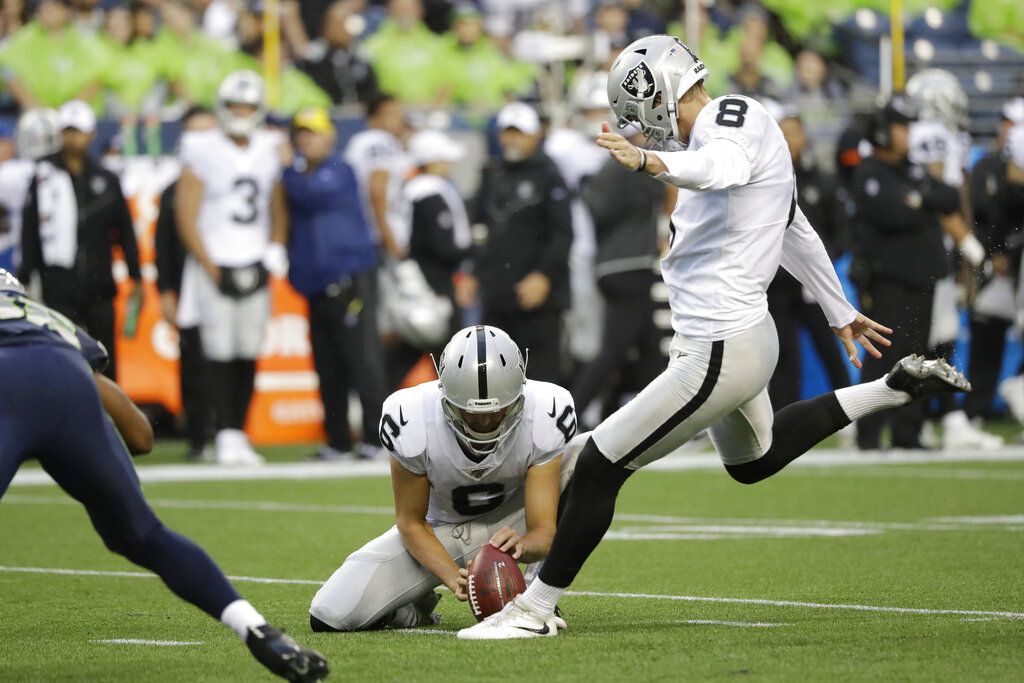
[
  {"x": 378, "y": 150},
  {"x": 15, "y": 178},
  {"x": 725, "y": 245},
  {"x": 234, "y": 216},
  {"x": 414, "y": 430},
  {"x": 931, "y": 142}
]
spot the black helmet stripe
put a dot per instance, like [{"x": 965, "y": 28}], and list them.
[{"x": 481, "y": 360}]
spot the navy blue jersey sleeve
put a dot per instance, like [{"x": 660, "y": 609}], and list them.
[
  {"x": 24, "y": 321},
  {"x": 93, "y": 351}
]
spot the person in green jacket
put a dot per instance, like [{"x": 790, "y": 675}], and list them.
[
  {"x": 194, "y": 63},
  {"x": 481, "y": 74},
  {"x": 998, "y": 20},
  {"x": 133, "y": 67},
  {"x": 49, "y": 62},
  {"x": 407, "y": 57},
  {"x": 296, "y": 90}
]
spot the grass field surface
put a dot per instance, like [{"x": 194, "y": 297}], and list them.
[{"x": 894, "y": 570}]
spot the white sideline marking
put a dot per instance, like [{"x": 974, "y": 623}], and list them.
[
  {"x": 381, "y": 468},
  {"x": 739, "y": 624},
  {"x": 993, "y": 519},
  {"x": 924, "y": 473},
  {"x": 140, "y": 641},
  {"x": 591, "y": 594}
]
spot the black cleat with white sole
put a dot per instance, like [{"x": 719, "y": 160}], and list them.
[
  {"x": 284, "y": 657},
  {"x": 922, "y": 378}
]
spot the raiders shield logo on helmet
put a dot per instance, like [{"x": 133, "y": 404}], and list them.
[{"x": 639, "y": 82}]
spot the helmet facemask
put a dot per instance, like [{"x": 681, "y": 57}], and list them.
[{"x": 482, "y": 443}]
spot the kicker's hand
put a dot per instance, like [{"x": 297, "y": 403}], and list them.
[
  {"x": 620, "y": 149},
  {"x": 867, "y": 333}
]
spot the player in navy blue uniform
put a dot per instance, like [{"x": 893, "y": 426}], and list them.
[{"x": 54, "y": 407}]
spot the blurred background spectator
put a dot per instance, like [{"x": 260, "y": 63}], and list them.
[
  {"x": 333, "y": 258},
  {"x": 333, "y": 62},
  {"x": 74, "y": 214}
]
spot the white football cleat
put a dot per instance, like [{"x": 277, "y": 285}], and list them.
[
  {"x": 1011, "y": 390},
  {"x": 517, "y": 620},
  {"x": 958, "y": 432}
]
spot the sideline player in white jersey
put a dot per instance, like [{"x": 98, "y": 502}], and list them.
[
  {"x": 381, "y": 164},
  {"x": 478, "y": 457},
  {"x": 37, "y": 135},
  {"x": 233, "y": 221},
  {"x": 736, "y": 219}
]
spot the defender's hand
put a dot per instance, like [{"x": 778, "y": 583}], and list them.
[{"x": 863, "y": 331}]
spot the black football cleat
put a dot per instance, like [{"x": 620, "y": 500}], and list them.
[
  {"x": 284, "y": 657},
  {"x": 923, "y": 378}
]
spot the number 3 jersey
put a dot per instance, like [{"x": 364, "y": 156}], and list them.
[
  {"x": 414, "y": 430},
  {"x": 234, "y": 215}
]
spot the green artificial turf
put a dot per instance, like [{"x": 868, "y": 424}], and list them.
[{"x": 883, "y": 537}]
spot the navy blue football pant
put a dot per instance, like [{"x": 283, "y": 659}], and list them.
[{"x": 50, "y": 410}]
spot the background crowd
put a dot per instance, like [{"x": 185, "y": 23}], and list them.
[{"x": 438, "y": 169}]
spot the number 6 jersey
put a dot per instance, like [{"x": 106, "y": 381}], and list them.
[
  {"x": 414, "y": 430},
  {"x": 234, "y": 216}
]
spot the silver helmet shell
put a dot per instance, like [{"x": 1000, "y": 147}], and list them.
[
  {"x": 9, "y": 283},
  {"x": 481, "y": 371},
  {"x": 646, "y": 82},
  {"x": 938, "y": 96},
  {"x": 37, "y": 134},
  {"x": 241, "y": 87}
]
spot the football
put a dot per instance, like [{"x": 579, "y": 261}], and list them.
[{"x": 494, "y": 581}]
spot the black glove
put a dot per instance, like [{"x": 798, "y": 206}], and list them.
[{"x": 242, "y": 281}]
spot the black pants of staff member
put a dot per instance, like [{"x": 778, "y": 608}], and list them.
[
  {"x": 96, "y": 318},
  {"x": 988, "y": 342},
  {"x": 347, "y": 355},
  {"x": 792, "y": 313},
  {"x": 908, "y": 311},
  {"x": 196, "y": 400},
  {"x": 538, "y": 331},
  {"x": 628, "y": 324}
]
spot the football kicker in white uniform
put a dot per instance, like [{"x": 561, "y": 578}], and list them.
[
  {"x": 478, "y": 457},
  {"x": 233, "y": 221},
  {"x": 736, "y": 220}
]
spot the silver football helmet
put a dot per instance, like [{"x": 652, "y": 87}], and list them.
[
  {"x": 482, "y": 372},
  {"x": 939, "y": 97},
  {"x": 37, "y": 134},
  {"x": 646, "y": 82},
  {"x": 9, "y": 283},
  {"x": 241, "y": 87}
]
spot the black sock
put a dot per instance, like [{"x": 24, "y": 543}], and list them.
[
  {"x": 243, "y": 375},
  {"x": 798, "y": 428},
  {"x": 220, "y": 383},
  {"x": 185, "y": 568},
  {"x": 588, "y": 511}
]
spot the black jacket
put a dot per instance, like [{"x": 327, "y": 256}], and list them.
[
  {"x": 896, "y": 234},
  {"x": 432, "y": 243},
  {"x": 345, "y": 76},
  {"x": 525, "y": 206},
  {"x": 103, "y": 221},
  {"x": 624, "y": 206},
  {"x": 170, "y": 252}
]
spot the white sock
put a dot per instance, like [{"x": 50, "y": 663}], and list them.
[
  {"x": 870, "y": 397},
  {"x": 541, "y": 597},
  {"x": 240, "y": 616}
]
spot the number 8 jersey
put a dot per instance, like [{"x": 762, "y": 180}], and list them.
[
  {"x": 234, "y": 217},
  {"x": 414, "y": 430}
]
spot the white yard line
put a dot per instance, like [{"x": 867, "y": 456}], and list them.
[
  {"x": 738, "y": 624},
  {"x": 1001, "y": 614},
  {"x": 422, "y": 632},
  {"x": 678, "y": 462},
  {"x": 140, "y": 641},
  {"x": 644, "y": 528}
]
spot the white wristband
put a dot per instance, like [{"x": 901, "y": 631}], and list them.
[
  {"x": 275, "y": 259},
  {"x": 972, "y": 250}
]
